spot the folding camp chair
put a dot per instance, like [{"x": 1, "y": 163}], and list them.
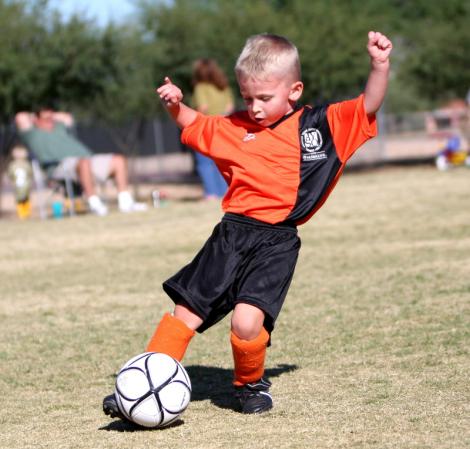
[{"x": 44, "y": 184}]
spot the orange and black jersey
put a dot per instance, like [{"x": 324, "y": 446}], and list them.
[{"x": 285, "y": 172}]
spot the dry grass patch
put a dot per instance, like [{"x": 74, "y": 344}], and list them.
[{"x": 370, "y": 351}]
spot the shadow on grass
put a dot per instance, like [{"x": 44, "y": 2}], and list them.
[
  {"x": 215, "y": 384},
  {"x": 208, "y": 383},
  {"x": 126, "y": 426}
]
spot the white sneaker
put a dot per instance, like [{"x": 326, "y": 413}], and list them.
[
  {"x": 97, "y": 206},
  {"x": 128, "y": 204}
]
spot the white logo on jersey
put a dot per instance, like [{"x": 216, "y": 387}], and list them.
[
  {"x": 248, "y": 137},
  {"x": 311, "y": 139},
  {"x": 312, "y": 142}
]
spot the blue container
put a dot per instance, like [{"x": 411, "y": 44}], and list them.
[{"x": 57, "y": 209}]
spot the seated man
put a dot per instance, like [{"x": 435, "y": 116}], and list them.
[{"x": 62, "y": 155}]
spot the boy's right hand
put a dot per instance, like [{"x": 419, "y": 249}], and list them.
[
  {"x": 172, "y": 97},
  {"x": 169, "y": 93}
]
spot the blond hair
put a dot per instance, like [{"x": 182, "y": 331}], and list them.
[{"x": 268, "y": 54}]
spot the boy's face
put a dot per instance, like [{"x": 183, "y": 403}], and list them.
[{"x": 268, "y": 100}]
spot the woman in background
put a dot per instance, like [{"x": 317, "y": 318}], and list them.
[{"x": 213, "y": 96}]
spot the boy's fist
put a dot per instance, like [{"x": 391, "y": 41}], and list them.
[
  {"x": 170, "y": 94},
  {"x": 379, "y": 47}
]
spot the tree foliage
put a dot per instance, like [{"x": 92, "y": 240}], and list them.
[
  {"x": 110, "y": 73},
  {"x": 74, "y": 65},
  {"x": 437, "y": 62},
  {"x": 431, "y": 37}
]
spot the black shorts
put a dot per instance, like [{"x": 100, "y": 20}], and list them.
[{"x": 244, "y": 261}]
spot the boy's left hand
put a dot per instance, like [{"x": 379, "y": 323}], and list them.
[{"x": 379, "y": 47}]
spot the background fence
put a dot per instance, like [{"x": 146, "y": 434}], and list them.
[{"x": 156, "y": 153}]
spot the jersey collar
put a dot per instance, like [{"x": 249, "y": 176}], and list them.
[{"x": 297, "y": 107}]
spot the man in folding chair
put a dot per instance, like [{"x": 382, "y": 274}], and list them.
[{"x": 47, "y": 134}]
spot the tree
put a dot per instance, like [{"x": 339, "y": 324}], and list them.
[
  {"x": 20, "y": 79},
  {"x": 437, "y": 62}
]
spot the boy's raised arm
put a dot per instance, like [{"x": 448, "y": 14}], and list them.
[
  {"x": 172, "y": 97},
  {"x": 379, "y": 48}
]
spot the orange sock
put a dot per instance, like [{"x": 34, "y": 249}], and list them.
[
  {"x": 248, "y": 357},
  {"x": 171, "y": 337}
]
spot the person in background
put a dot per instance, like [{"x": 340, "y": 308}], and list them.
[
  {"x": 211, "y": 96},
  {"x": 20, "y": 174},
  {"x": 47, "y": 135}
]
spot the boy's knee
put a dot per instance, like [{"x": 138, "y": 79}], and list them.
[
  {"x": 245, "y": 332},
  {"x": 247, "y": 321}
]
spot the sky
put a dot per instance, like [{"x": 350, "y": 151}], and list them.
[{"x": 102, "y": 10}]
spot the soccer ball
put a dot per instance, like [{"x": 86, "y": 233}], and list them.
[{"x": 152, "y": 389}]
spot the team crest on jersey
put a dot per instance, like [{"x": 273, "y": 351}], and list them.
[
  {"x": 248, "y": 137},
  {"x": 311, "y": 139},
  {"x": 312, "y": 142}
]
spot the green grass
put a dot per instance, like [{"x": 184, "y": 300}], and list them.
[{"x": 370, "y": 350}]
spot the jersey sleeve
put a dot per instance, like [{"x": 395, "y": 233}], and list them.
[
  {"x": 200, "y": 133},
  {"x": 350, "y": 126}
]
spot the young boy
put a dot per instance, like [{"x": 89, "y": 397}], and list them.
[{"x": 281, "y": 160}]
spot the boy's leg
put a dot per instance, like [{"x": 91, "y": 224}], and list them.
[
  {"x": 172, "y": 337},
  {"x": 249, "y": 340},
  {"x": 174, "y": 332}
]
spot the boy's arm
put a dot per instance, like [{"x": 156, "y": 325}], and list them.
[
  {"x": 171, "y": 95},
  {"x": 379, "y": 48}
]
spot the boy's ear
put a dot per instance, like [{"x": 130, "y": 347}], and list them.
[{"x": 296, "y": 90}]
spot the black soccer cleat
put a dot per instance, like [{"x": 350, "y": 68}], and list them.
[
  {"x": 255, "y": 397},
  {"x": 111, "y": 408}
]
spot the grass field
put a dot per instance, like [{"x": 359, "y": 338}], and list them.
[{"x": 370, "y": 351}]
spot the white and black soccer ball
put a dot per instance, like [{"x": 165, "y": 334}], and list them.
[{"x": 152, "y": 389}]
